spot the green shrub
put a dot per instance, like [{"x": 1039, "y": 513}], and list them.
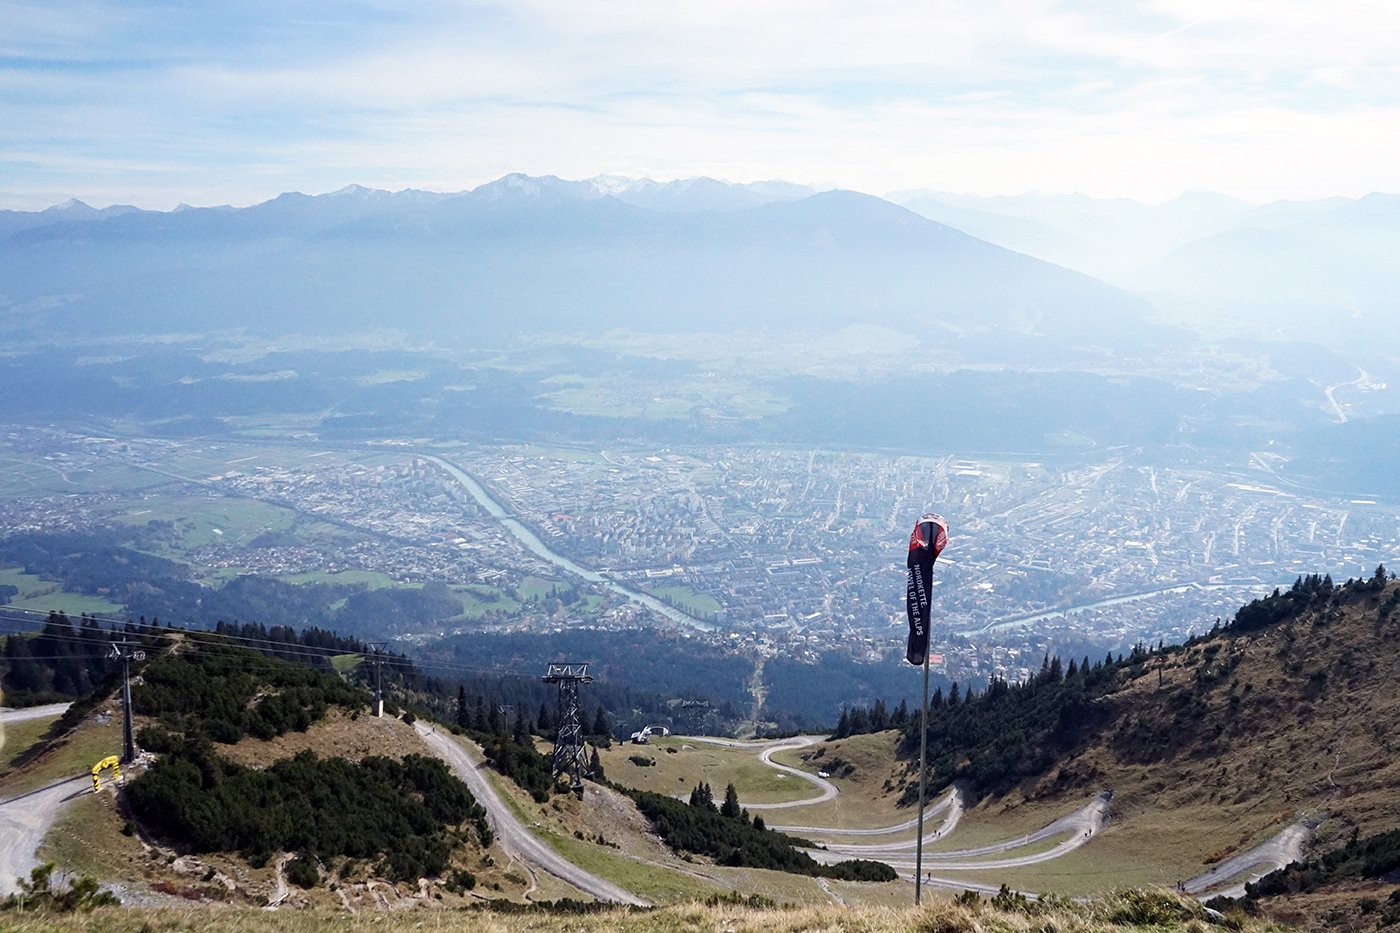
[
  {"x": 303, "y": 872},
  {"x": 38, "y": 894},
  {"x": 321, "y": 807},
  {"x": 699, "y": 828}
]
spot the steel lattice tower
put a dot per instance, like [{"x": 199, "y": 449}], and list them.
[
  {"x": 569, "y": 755},
  {"x": 696, "y": 711}
]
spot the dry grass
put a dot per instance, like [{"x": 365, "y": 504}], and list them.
[
  {"x": 69, "y": 755},
  {"x": 1156, "y": 911},
  {"x": 18, "y": 738},
  {"x": 677, "y": 772}
]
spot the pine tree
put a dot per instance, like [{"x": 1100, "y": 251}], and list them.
[
  {"x": 493, "y": 719},
  {"x": 600, "y": 723},
  {"x": 544, "y": 720},
  {"x": 843, "y": 726},
  {"x": 463, "y": 716},
  {"x": 702, "y": 796},
  {"x": 879, "y": 719},
  {"x": 901, "y": 714},
  {"x": 731, "y": 803},
  {"x": 595, "y": 766}
]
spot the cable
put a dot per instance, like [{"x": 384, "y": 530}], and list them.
[{"x": 292, "y": 649}]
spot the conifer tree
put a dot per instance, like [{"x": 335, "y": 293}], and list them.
[
  {"x": 731, "y": 802},
  {"x": 702, "y": 796}
]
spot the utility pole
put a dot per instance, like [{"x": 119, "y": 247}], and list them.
[
  {"x": 377, "y": 652},
  {"x": 570, "y": 757},
  {"x": 123, "y": 652},
  {"x": 923, "y": 750}
]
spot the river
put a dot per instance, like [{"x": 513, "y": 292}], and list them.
[{"x": 533, "y": 544}]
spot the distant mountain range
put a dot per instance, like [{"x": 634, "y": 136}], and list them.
[
  {"x": 1319, "y": 271},
  {"x": 523, "y": 255}
]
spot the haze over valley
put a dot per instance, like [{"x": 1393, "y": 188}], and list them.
[{"x": 460, "y": 460}]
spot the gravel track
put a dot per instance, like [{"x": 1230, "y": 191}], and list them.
[
  {"x": 1277, "y": 853},
  {"x": 25, "y": 821},
  {"x": 514, "y": 837}
]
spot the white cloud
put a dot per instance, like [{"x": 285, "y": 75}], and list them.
[{"x": 1256, "y": 99}]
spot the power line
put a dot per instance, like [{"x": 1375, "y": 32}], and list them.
[{"x": 272, "y": 645}]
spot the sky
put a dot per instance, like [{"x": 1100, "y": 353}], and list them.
[{"x": 210, "y": 103}]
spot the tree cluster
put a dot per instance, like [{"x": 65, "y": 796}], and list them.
[
  {"x": 727, "y": 835},
  {"x": 1008, "y": 732},
  {"x": 403, "y": 814},
  {"x": 217, "y": 688},
  {"x": 861, "y": 721},
  {"x": 1305, "y": 593},
  {"x": 67, "y": 659}
]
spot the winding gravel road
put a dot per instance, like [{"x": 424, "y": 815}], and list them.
[
  {"x": 953, "y": 800},
  {"x": 25, "y": 821},
  {"x": 829, "y": 791},
  {"x": 8, "y": 715},
  {"x": 1277, "y": 853},
  {"x": 514, "y": 837},
  {"x": 1084, "y": 823}
]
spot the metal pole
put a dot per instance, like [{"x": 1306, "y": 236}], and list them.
[
  {"x": 128, "y": 735},
  {"x": 923, "y": 748}
]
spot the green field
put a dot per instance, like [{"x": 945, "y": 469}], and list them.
[
  {"x": 345, "y": 663},
  {"x": 370, "y": 579},
  {"x": 477, "y": 600},
  {"x": 687, "y": 600},
  {"x": 656, "y": 883},
  {"x": 201, "y": 521},
  {"x": 47, "y": 596},
  {"x": 539, "y": 587},
  {"x": 20, "y": 737},
  {"x": 693, "y": 762},
  {"x": 34, "y": 476},
  {"x": 620, "y": 397}
]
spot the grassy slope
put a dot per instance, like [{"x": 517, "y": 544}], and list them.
[
  {"x": 1272, "y": 741},
  {"x": 88, "y": 834},
  {"x": 939, "y": 916},
  {"x": 19, "y": 738},
  {"x": 699, "y": 761},
  {"x": 68, "y": 755}
]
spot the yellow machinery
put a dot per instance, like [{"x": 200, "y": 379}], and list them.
[{"x": 109, "y": 762}]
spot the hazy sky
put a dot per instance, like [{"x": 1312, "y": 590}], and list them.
[{"x": 207, "y": 102}]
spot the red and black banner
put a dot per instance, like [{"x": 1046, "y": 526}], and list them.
[{"x": 929, "y": 539}]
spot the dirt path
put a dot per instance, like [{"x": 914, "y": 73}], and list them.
[
  {"x": 1282, "y": 849},
  {"x": 25, "y": 821},
  {"x": 829, "y": 791},
  {"x": 513, "y": 836},
  {"x": 1084, "y": 823},
  {"x": 8, "y": 715},
  {"x": 953, "y": 801}
]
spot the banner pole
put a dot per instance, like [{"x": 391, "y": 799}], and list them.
[{"x": 923, "y": 748}]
